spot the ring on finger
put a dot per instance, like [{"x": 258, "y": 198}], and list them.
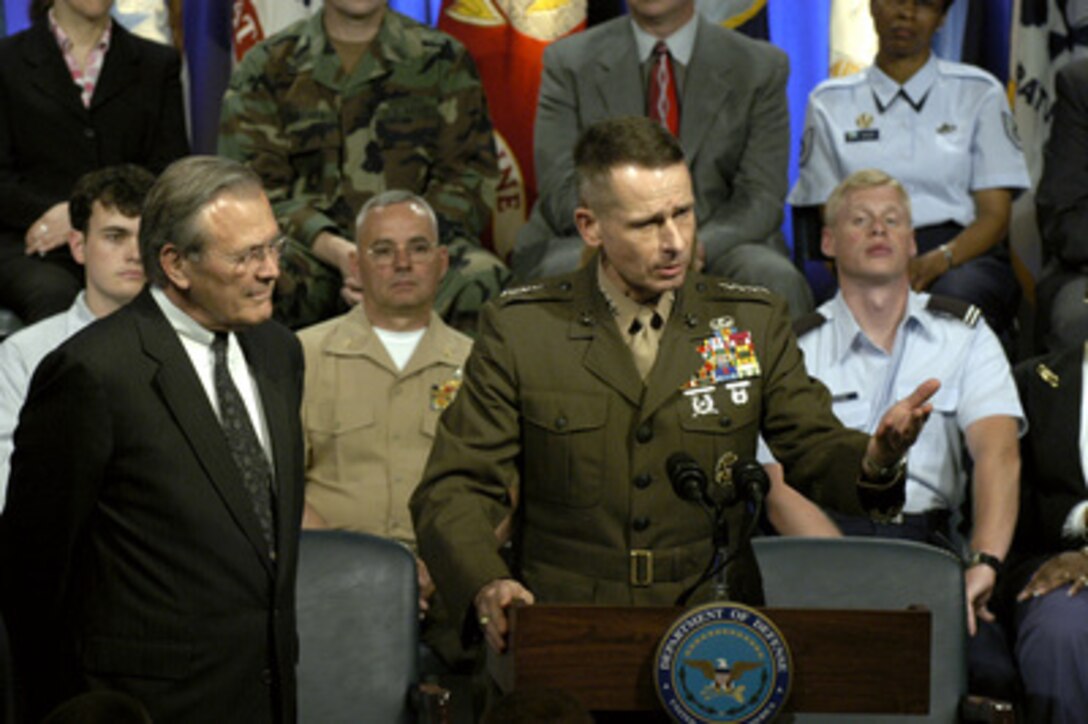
[{"x": 484, "y": 620}]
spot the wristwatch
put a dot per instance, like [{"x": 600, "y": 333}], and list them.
[
  {"x": 886, "y": 475},
  {"x": 982, "y": 558}
]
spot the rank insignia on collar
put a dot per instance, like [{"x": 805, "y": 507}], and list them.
[
  {"x": 442, "y": 395},
  {"x": 728, "y": 355}
]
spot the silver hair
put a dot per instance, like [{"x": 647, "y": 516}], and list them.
[
  {"x": 392, "y": 197},
  {"x": 172, "y": 209}
]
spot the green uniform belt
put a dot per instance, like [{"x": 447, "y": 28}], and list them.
[{"x": 638, "y": 566}]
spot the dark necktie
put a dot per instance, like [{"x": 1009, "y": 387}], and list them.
[
  {"x": 661, "y": 100},
  {"x": 245, "y": 448}
]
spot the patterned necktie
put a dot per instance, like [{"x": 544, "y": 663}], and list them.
[
  {"x": 661, "y": 100},
  {"x": 245, "y": 448}
]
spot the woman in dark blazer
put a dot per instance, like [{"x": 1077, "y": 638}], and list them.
[{"x": 48, "y": 139}]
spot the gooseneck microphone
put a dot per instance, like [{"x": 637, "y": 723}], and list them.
[
  {"x": 751, "y": 481},
  {"x": 687, "y": 478}
]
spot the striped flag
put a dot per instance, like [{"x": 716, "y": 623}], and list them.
[
  {"x": 507, "y": 39},
  {"x": 1046, "y": 35}
]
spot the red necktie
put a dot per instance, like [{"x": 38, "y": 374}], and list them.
[{"x": 662, "y": 104}]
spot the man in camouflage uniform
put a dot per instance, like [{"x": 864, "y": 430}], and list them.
[{"x": 356, "y": 100}]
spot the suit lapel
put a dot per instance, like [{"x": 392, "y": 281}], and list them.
[
  {"x": 617, "y": 74},
  {"x": 182, "y": 392},
  {"x": 707, "y": 91},
  {"x": 119, "y": 69},
  {"x": 677, "y": 357},
  {"x": 47, "y": 71},
  {"x": 606, "y": 356},
  {"x": 1057, "y": 410}
]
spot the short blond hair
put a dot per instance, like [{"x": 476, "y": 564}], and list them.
[{"x": 869, "y": 178}]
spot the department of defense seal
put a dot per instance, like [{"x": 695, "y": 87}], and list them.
[{"x": 722, "y": 662}]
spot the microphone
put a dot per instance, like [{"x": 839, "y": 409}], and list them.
[
  {"x": 687, "y": 478},
  {"x": 751, "y": 481}
]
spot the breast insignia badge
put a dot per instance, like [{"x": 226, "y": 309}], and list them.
[
  {"x": 723, "y": 663},
  {"x": 442, "y": 395}
]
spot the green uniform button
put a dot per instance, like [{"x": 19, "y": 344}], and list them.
[
  {"x": 640, "y": 524},
  {"x": 645, "y": 433},
  {"x": 643, "y": 481}
]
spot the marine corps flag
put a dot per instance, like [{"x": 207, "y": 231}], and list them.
[{"x": 507, "y": 39}]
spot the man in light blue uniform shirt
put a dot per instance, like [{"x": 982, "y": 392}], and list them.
[
  {"x": 876, "y": 338},
  {"x": 105, "y": 215},
  {"x": 945, "y": 131}
]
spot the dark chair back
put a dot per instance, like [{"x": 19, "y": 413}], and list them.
[
  {"x": 358, "y": 629},
  {"x": 876, "y": 573}
]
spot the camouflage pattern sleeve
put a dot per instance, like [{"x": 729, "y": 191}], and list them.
[
  {"x": 251, "y": 130},
  {"x": 465, "y": 174}
]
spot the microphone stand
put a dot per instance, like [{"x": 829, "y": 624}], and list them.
[{"x": 721, "y": 554}]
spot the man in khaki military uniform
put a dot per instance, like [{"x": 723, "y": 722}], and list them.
[
  {"x": 580, "y": 387},
  {"x": 378, "y": 377}
]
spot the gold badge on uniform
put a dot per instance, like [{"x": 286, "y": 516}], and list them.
[
  {"x": 865, "y": 120},
  {"x": 945, "y": 128},
  {"x": 442, "y": 395},
  {"x": 1048, "y": 375}
]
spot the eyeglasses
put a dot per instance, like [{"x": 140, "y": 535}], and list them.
[
  {"x": 255, "y": 255},
  {"x": 384, "y": 254}
]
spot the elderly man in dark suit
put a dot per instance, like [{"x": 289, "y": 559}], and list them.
[
  {"x": 150, "y": 541},
  {"x": 77, "y": 93},
  {"x": 725, "y": 99}
]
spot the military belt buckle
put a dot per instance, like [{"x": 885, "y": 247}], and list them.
[{"x": 642, "y": 567}]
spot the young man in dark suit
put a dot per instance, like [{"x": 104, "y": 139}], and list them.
[{"x": 150, "y": 540}]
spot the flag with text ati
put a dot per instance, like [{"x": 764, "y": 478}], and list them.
[{"x": 1046, "y": 34}]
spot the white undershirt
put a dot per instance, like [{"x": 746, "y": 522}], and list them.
[
  {"x": 197, "y": 342},
  {"x": 400, "y": 345}
]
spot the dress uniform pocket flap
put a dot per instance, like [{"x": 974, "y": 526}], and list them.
[
  {"x": 564, "y": 413},
  {"x": 719, "y": 409},
  {"x": 336, "y": 417},
  {"x": 145, "y": 659}
]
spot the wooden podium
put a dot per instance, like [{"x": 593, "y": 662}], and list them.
[{"x": 859, "y": 662}]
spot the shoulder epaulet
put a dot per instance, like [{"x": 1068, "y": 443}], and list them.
[
  {"x": 807, "y": 323},
  {"x": 966, "y": 312},
  {"x": 723, "y": 288},
  {"x": 543, "y": 291},
  {"x": 837, "y": 83},
  {"x": 966, "y": 71}
]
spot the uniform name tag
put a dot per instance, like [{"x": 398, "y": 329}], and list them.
[{"x": 865, "y": 134}]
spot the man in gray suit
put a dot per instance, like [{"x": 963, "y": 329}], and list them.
[{"x": 733, "y": 125}]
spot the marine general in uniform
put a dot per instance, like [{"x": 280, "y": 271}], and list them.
[{"x": 580, "y": 387}]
